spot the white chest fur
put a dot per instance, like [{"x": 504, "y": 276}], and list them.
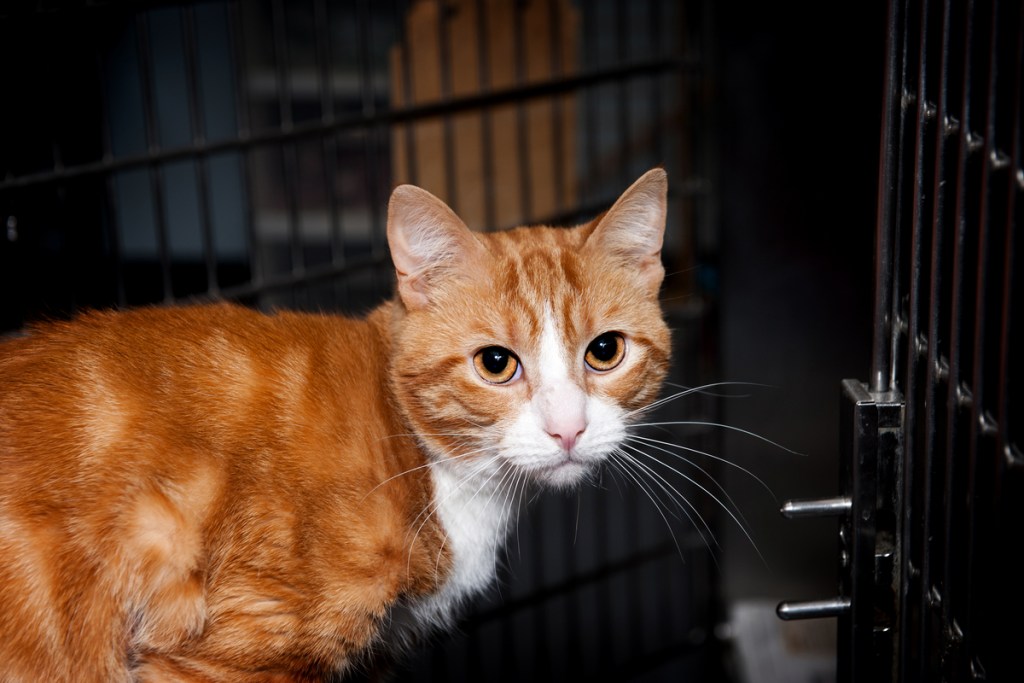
[{"x": 475, "y": 511}]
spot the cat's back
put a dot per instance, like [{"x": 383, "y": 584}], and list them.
[
  {"x": 109, "y": 398},
  {"x": 164, "y": 472},
  {"x": 133, "y": 348},
  {"x": 168, "y": 342},
  {"x": 148, "y": 369}
]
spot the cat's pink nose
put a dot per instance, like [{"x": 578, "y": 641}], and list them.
[{"x": 567, "y": 432}]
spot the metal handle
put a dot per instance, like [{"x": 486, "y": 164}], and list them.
[
  {"x": 813, "y": 609},
  {"x": 818, "y": 507}
]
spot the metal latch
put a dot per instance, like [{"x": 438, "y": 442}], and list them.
[
  {"x": 803, "y": 509},
  {"x": 871, "y": 426}
]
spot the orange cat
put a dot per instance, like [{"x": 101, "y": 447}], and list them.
[{"x": 212, "y": 494}]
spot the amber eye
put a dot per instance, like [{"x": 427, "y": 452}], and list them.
[
  {"x": 495, "y": 364},
  {"x": 606, "y": 351}
]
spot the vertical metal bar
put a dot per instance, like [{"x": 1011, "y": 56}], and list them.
[
  {"x": 198, "y": 128},
  {"x": 976, "y": 518},
  {"x": 590, "y": 189},
  {"x": 1009, "y": 560},
  {"x": 935, "y": 510},
  {"x": 883, "y": 370},
  {"x": 657, "y": 16},
  {"x": 702, "y": 160},
  {"x": 328, "y": 147},
  {"x": 152, "y": 147},
  {"x": 919, "y": 471},
  {"x": 445, "y": 59},
  {"x": 374, "y": 194},
  {"x": 622, "y": 54},
  {"x": 278, "y": 21},
  {"x": 407, "y": 92},
  {"x": 885, "y": 230},
  {"x": 240, "y": 73},
  {"x": 558, "y": 134},
  {"x": 1015, "y": 181},
  {"x": 322, "y": 47},
  {"x": 522, "y": 122},
  {"x": 899, "y": 218},
  {"x": 289, "y": 154},
  {"x": 487, "y": 147},
  {"x": 955, "y": 395}
]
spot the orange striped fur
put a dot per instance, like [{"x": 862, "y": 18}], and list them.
[{"x": 208, "y": 493}]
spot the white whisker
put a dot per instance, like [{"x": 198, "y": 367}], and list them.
[
  {"x": 715, "y": 498},
  {"x": 652, "y": 444},
  {"x": 687, "y": 391},
  {"x": 625, "y": 463},
  {"x": 656, "y": 442},
  {"x": 508, "y": 508},
  {"x": 704, "y": 388},
  {"x": 702, "y": 423},
  {"x": 674, "y": 495}
]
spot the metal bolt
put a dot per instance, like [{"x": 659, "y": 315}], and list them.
[
  {"x": 921, "y": 345},
  {"x": 974, "y": 142},
  {"x": 999, "y": 159},
  {"x": 820, "y": 507},
  {"x": 951, "y": 125},
  {"x": 987, "y": 424},
  {"x": 964, "y": 398},
  {"x": 813, "y": 609}
]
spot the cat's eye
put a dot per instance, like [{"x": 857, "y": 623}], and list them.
[
  {"x": 606, "y": 351},
  {"x": 496, "y": 365}
]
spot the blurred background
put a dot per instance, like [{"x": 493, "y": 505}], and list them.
[{"x": 161, "y": 152}]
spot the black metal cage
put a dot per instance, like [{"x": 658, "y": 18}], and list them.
[
  {"x": 160, "y": 152},
  {"x": 932, "y": 480}
]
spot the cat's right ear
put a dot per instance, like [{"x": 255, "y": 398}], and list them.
[{"x": 428, "y": 243}]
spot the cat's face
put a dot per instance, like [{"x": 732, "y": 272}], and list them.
[{"x": 523, "y": 353}]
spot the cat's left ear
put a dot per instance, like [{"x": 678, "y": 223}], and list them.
[
  {"x": 429, "y": 244},
  {"x": 633, "y": 229}
]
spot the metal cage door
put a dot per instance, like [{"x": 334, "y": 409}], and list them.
[{"x": 931, "y": 502}]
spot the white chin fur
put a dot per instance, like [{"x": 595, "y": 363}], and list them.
[
  {"x": 529, "y": 448},
  {"x": 565, "y": 475}
]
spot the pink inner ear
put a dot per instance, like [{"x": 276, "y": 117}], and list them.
[
  {"x": 412, "y": 291},
  {"x": 635, "y": 225},
  {"x": 428, "y": 242}
]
